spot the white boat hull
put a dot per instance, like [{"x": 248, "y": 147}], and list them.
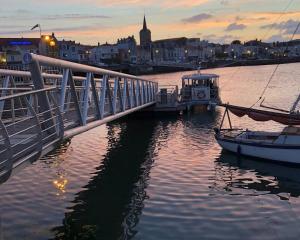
[{"x": 275, "y": 153}]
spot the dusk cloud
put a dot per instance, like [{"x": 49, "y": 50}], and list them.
[
  {"x": 276, "y": 38},
  {"x": 197, "y": 18},
  {"x": 220, "y": 39},
  {"x": 92, "y": 21},
  {"x": 287, "y": 27},
  {"x": 235, "y": 27},
  {"x": 75, "y": 16}
]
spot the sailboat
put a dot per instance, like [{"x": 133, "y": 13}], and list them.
[{"x": 283, "y": 146}]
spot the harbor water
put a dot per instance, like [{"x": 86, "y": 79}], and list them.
[{"x": 162, "y": 178}]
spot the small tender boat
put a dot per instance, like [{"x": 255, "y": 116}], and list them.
[
  {"x": 200, "y": 89},
  {"x": 281, "y": 146}
]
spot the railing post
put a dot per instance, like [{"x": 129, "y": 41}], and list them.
[
  {"x": 120, "y": 95},
  {"x": 103, "y": 95},
  {"x": 124, "y": 96},
  {"x": 74, "y": 95},
  {"x": 116, "y": 86},
  {"x": 95, "y": 96},
  {"x": 147, "y": 92},
  {"x": 138, "y": 93},
  {"x": 86, "y": 98},
  {"x": 43, "y": 100},
  {"x": 151, "y": 91},
  {"x": 5, "y": 84},
  {"x": 64, "y": 83},
  {"x": 131, "y": 95},
  {"x": 142, "y": 93},
  {"x": 108, "y": 89}
]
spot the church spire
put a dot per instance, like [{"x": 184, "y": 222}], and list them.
[{"x": 145, "y": 23}]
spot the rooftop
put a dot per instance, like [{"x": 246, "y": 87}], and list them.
[{"x": 200, "y": 76}]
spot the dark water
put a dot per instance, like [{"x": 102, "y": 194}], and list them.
[{"x": 161, "y": 178}]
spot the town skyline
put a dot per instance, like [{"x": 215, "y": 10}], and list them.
[{"x": 218, "y": 21}]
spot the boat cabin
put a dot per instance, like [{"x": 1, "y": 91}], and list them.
[{"x": 202, "y": 88}]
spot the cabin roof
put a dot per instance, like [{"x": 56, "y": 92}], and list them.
[{"x": 201, "y": 76}]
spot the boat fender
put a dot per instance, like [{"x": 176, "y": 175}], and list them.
[
  {"x": 201, "y": 94},
  {"x": 239, "y": 150}
]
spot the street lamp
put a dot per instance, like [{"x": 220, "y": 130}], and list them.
[
  {"x": 47, "y": 38},
  {"x": 52, "y": 43}
]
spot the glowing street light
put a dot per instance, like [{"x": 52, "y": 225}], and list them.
[
  {"x": 47, "y": 38},
  {"x": 52, "y": 43},
  {"x": 3, "y": 60}
]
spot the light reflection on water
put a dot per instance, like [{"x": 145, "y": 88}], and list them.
[{"x": 161, "y": 178}]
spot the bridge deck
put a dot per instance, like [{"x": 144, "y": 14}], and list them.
[{"x": 33, "y": 122}]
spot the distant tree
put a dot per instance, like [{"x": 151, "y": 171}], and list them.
[{"x": 236, "y": 42}]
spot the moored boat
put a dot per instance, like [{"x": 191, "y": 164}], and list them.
[
  {"x": 283, "y": 146},
  {"x": 200, "y": 89}
]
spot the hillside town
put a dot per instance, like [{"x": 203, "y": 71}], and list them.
[{"x": 180, "y": 51}]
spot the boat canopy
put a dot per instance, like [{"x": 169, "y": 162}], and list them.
[
  {"x": 200, "y": 76},
  {"x": 263, "y": 116}
]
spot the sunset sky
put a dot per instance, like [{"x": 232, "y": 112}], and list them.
[{"x": 92, "y": 21}]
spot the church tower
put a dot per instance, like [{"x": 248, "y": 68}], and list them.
[{"x": 145, "y": 35}]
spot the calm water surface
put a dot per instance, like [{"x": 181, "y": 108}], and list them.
[{"x": 162, "y": 178}]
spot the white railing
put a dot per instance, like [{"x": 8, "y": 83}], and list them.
[{"x": 48, "y": 108}]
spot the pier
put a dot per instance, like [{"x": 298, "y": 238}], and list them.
[{"x": 39, "y": 109}]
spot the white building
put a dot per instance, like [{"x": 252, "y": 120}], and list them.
[
  {"x": 72, "y": 51},
  {"x": 106, "y": 53},
  {"x": 235, "y": 50}
]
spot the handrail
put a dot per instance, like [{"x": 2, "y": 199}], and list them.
[
  {"x": 15, "y": 73},
  {"x": 80, "y": 67},
  {"x": 26, "y": 93},
  {"x": 63, "y": 108},
  {"x": 16, "y": 88}
]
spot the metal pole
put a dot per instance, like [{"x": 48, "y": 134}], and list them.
[{"x": 43, "y": 101}]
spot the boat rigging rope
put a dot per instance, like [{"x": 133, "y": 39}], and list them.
[{"x": 276, "y": 68}]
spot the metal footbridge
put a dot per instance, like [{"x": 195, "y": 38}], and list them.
[{"x": 56, "y": 100}]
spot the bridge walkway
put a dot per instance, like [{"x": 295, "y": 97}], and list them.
[{"x": 39, "y": 110}]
